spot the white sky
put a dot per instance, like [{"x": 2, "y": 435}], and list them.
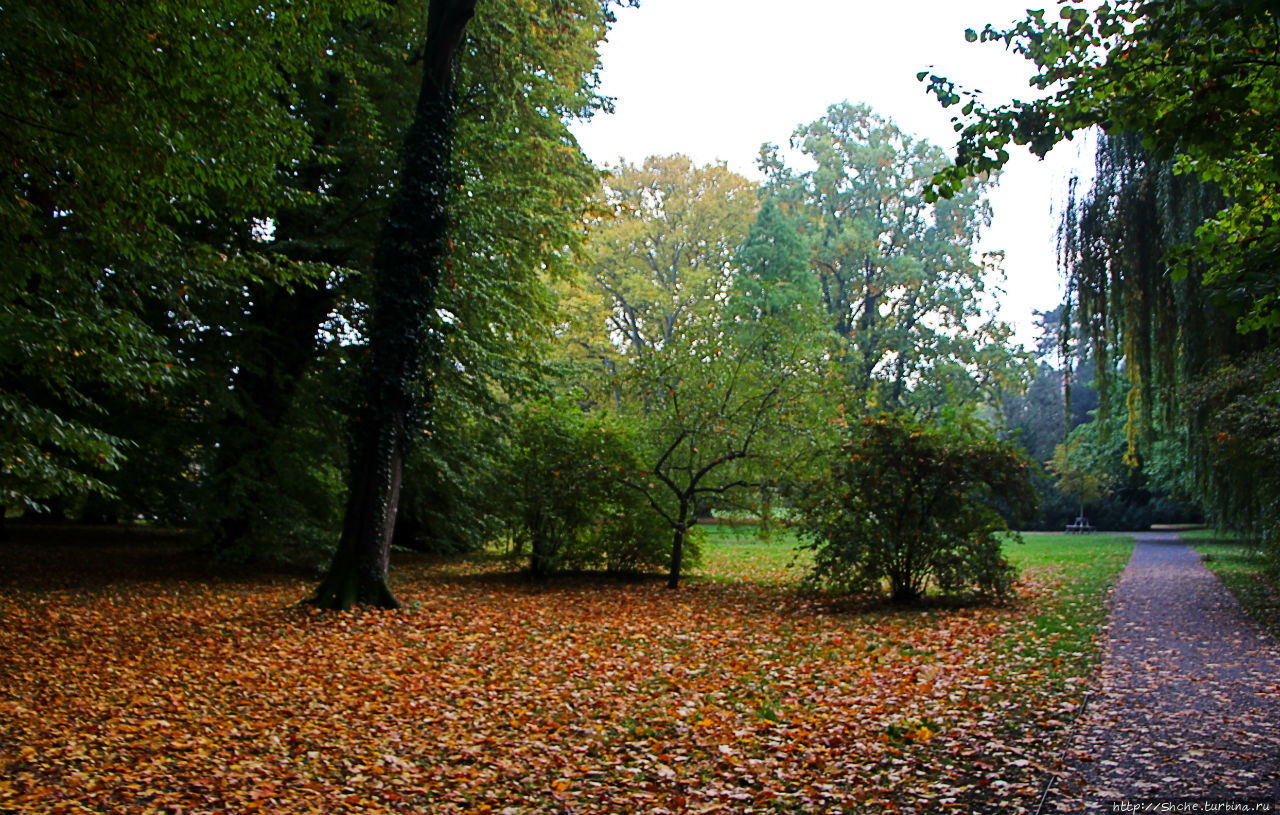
[{"x": 714, "y": 79}]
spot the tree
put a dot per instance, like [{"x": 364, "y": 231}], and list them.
[
  {"x": 1240, "y": 439},
  {"x": 685, "y": 357},
  {"x": 714, "y": 417},
  {"x": 116, "y": 127},
  {"x": 1197, "y": 80},
  {"x": 661, "y": 248},
  {"x": 913, "y": 505},
  {"x": 412, "y": 255},
  {"x": 1037, "y": 414},
  {"x": 772, "y": 284},
  {"x": 1060, "y": 397},
  {"x": 1079, "y": 470},
  {"x": 522, "y": 71},
  {"x": 1151, "y": 326},
  {"x": 1131, "y": 307},
  {"x": 895, "y": 273}
]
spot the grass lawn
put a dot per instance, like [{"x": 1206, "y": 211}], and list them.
[
  {"x": 133, "y": 680},
  {"x": 1243, "y": 572}
]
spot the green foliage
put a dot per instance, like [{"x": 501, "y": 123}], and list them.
[
  {"x": 454, "y": 496},
  {"x": 1241, "y": 435},
  {"x": 519, "y": 79},
  {"x": 677, "y": 347},
  {"x": 1038, "y": 417},
  {"x": 569, "y": 506},
  {"x": 1095, "y": 451},
  {"x": 46, "y": 455},
  {"x": 659, "y": 255},
  {"x": 1197, "y": 80},
  {"x": 1038, "y": 414},
  {"x": 283, "y": 492},
  {"x": 523, "y": 72},
  {"x": 1079, "y": 470},
  {"x": 1156, "y": 333},
  {"x": 1124, "y": 298},
  {"x": 773, "y": 283},
  {"x": 714, "y": 418},
  {"x": 130, "y": 130},
  {"x": 178, "y": 293},
  {"x": 632, "y": 538},
  {"x": 915, "y": 505},
  {"x": 894, "y": 273},
  {"x": 526, "y": 71}
]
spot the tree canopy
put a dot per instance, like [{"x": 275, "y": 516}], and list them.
[
  {"x": 141, "y": 145},
  {"x": 895, "y": 273},
  {"x": 1171, "y": 253},
  {"x": 202, "y": 349},
  {"x": 1198, "y": 81},
  {"x": 271, "y": 261}
]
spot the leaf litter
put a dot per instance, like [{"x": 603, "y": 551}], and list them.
[{"x": 491, "y": 694}]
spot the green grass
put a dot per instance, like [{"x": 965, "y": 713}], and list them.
[
  {"x": 1079, "y": 571},
  {"x": 743, "y": 553},
  {"x": 1066, "y": 581},
  {"x": 1205, "y": 534},
  {"x": 1242, "y": 570},
  {"x": 1085, "y": 565}
]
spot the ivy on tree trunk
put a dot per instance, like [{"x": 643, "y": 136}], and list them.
[{"x": 412, "y": 250}]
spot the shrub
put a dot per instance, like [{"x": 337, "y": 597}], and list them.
[
  {"x": 454, "y": 495},
  {"x": 912, "y": 505},
  {"x": 570, "y": 509}
]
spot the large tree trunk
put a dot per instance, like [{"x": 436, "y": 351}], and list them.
[
  {"x": 412, "y": 251},
  {"x": 358, "y": 574}
]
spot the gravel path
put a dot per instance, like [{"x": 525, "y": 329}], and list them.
[{"x": 1189, "y": 703}]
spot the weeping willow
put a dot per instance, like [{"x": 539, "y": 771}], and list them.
[{"x": 1136, "y": 298}]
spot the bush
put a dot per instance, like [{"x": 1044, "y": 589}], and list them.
[
  {"x": 570, "y": 509},
  {"x": 910, "y": 505},
  {"x": 454, "y": 495}
]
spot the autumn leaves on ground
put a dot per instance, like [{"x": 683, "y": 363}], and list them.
[{"x": 125, "y": 688}]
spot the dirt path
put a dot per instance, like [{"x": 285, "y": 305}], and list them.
[{"x": 1189, "y": 703}]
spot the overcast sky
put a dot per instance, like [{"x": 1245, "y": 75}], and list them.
[{"x": 714, "y": 79}]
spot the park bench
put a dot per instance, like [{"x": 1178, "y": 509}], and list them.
[{"x": 1080, "y": 526}]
